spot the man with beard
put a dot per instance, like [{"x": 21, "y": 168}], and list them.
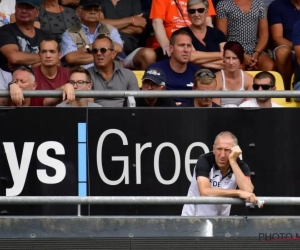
[
  {"x": 205, "y": 80},
  {"x": 263, "y": 81}
]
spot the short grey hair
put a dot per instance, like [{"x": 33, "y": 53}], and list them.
[
  {"x": 227, "y": 134},
  {"x": 192, "y": 2},
  {"x": 27, "y": 69}
]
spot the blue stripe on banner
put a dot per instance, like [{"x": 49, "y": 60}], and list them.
[
  {"x": 82, "y": 165},
  {"x": 82, "y": 132},
  {"x": 82, "y": 189},
  {"x": 82, "y": 162}
]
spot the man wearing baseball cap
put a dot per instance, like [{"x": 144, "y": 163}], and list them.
[
  {"x": 154, "y": 79},
  {"x": 19, "y": 41},
  {"x": 76, "y": 43}
]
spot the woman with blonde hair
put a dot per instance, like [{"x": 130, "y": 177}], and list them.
[{"x": 207, "y": 41}]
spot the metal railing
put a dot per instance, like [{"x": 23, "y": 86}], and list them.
[
  {"x": 139, "y": 200},
  {"x": 162, "y": 94}
]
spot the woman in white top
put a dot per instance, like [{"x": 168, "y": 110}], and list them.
[{"x": 233, "y": 77}]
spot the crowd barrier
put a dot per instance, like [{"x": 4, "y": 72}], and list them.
[{"x": 126, "y": 166}]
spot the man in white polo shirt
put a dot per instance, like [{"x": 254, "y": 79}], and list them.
[
  {"x": 263, "y": 81},
  {"x": 219, "y": 173}
]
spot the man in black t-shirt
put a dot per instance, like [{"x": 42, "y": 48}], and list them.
[
  {"x": 19, "y": 41},
  {"x": 219, "y": 173}
]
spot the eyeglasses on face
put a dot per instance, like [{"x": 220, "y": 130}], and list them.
[
  {"x": 78, "y": 83},
  {"x": 199, "y": 10},
  {"x": 209, "y": 74},
  {"x": 263, "y": 86},
  {"x": 102, "y": 50}
]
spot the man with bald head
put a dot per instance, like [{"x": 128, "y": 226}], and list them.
[{"x": 219, "y": 173}]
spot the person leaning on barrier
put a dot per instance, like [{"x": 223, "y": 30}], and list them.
[
  {"x": 263, "y": 81},
  {"x": 49, "y": 75},
  {"x": 154, "y": 79},
  {"x": 107, "y": 75},
  {"x": 24, "y": 77},
  {"x": 219, "y": 173},
  {"x": 80, "y": 78},
  {"x": 205, "y": 80}
]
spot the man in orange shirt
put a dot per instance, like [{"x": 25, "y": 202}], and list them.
[{"x": 168, "y": 16}]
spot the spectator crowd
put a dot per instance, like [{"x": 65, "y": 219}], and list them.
[{"x": 195, "y": 45}]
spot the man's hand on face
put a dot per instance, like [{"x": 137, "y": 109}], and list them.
[{"x": 235, "y": 153}]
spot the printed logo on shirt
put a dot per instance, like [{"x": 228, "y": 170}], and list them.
[
  {"x": 191, "y": 84},
  {"x": 25, "y": 46}
]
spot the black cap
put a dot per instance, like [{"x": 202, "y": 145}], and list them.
[
  {"x": 86, "y": 3},
  {"x": 34, "y": 3},
  {"x": 156, "y": 75}
]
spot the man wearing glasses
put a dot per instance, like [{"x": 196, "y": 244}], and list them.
[
  {"x": 77, "y": 41},
  {"x": 205, "y": 80},
  {"x": 154, "y": 79},
  {"x": 263, "y": 81},
  {"x": 80, "y": 78}
]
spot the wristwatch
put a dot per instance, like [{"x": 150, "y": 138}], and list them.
[
  {"x": 10, "y": 83},
  {"x": 87, "y": 47}
]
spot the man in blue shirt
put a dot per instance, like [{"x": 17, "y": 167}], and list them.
[
  {"x": 179, "y": 72},
  {"x": 282, "y": 15}
]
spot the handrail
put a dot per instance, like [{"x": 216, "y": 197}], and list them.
[
  {"x": 139, "y": 200},
  {"x": 162, "y": 94}
]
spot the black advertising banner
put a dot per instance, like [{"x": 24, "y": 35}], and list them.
[
  {"x": 139, "y": 152},
  {"x": 152, "y": 152},
  {"x": 39, "y": 156}
]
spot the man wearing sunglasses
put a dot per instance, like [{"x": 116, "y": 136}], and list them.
[
  {"x": 263, "y": 81},
  {"x": 77, "y": 41},
  {"x": 205, "y": 80},
  {"x": 107, "y": 74},
  {"x": 154, "y": 79},
  {"x": 80, "y": 78}
]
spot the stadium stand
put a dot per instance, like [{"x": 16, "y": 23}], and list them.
[{"x": 279, "y": 86}]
